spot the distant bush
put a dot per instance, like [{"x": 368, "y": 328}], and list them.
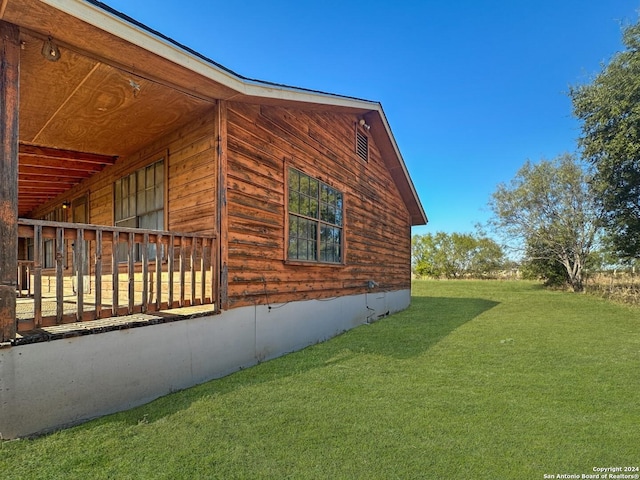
[{"x": 456, "y": 255}]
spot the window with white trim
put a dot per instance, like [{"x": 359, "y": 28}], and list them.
[{"x": 315, "y": 220}]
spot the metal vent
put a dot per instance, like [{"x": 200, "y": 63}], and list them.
[{"x": 362, "y": 146}]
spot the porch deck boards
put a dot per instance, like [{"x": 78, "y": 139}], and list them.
[
  {"x": 25, "y": 306},
  {"x": 75, "y": 329}
]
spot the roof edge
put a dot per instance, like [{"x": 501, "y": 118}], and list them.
[
  {"x": 106, "y": 18},
  {"x": 419, "y": 217}
]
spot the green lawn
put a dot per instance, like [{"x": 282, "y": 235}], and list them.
[{"x": 476, "y": 380}]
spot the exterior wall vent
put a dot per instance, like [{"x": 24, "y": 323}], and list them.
[{"x": 362, "y": 146}]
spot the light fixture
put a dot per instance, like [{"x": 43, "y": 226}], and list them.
[
  {"x": 136, "y": 88},
  {"x": 364, "y": 124},
  {"x": 50, "y": 50},
  {"x": 66, "y": 204}
]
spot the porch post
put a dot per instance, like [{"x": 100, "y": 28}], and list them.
[
  {"x": 222, "y": 222},
  {"x": 9, "y": 96}
]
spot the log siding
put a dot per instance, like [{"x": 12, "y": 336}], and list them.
[
  {"x": 245, "y": 150},
  {"x": 263, "y": 141}
]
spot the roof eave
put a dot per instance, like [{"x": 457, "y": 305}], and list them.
[
  {"x": 101, "y": 16},
  {"x": 104, "y": 18}
]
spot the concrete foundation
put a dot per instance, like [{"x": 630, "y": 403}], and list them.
[{"x": 45, "y": 386}]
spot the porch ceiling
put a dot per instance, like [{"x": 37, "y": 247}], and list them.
[
  {"x": 79, "y": 114},
  {"x": 45, "y": 173}
]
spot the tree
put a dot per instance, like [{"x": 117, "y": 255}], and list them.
[
  {"x": 454, "y": 255},
  {"x": 428, "y": 257},
  {"x": 540, "y": 265},
  {"x": 488, "y": 257},
  {"x": 549, "y": 212},
  {"x": 609, "y": 109}
]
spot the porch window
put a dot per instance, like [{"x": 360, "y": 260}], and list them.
[
  {"x": 315, "y": 220},
  {"x": 139, "y": 202},
  {"x": 49, "y": 254}
]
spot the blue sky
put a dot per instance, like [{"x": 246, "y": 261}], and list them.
[{"x": 471, "y": 88}]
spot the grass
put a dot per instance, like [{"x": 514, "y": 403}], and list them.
[{"x": 476, "y": 380}]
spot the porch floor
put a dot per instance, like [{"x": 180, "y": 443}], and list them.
[
  {"x": 24, "y": 305},
  {"x": 75, "y": 329}
]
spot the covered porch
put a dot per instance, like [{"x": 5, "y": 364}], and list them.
[{"x": 68, "y": 257}]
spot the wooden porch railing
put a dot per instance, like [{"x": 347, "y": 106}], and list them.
[{"x": 70, "y": 272}]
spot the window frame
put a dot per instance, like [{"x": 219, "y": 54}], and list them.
[
  {"x": 58, "y": 214},
  {"x": 317, "y": 220},
  {"x": 133, "y": 219}
]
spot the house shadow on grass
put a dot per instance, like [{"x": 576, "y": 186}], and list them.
[
  {"x": 425, "y": 323},
  {"x": 404, "y": 335}
]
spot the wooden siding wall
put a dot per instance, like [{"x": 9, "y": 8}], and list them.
[
  {"x": 190, "y": 192},
  {"x": 262, "y": 141},
  {"x": 192, "y": 179}
]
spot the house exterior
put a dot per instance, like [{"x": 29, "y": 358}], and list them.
[{"x": 146, "y": 186}]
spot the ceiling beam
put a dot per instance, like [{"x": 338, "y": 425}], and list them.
[
  {"x": 27, "y": 150},
  {"x": 42, "y": 171}
]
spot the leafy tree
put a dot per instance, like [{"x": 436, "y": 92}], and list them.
[
  {"x": 549, "y": 212},
  {"x": 488, "y": 257},
  {"x": 609, "y": 109},
  {"x": 606, "y": 259},
  {"x": 454, "y": 255},
  {"x": 540, "y": 265},
  {"x": 430, "y": 255},
  {"x": 422, "y": 252}
]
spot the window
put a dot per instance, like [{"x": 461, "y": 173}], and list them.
[
  {"x": 57, "y": 215},
  {"x": 315, "y": 220},
  {"x": 139, "y": 202},
  {"x": 49, "y": 253}
]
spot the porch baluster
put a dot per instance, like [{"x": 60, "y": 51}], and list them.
[
  {"x": 145, "y": 272},
  {"x": 59, "y": 274},
  {"x": 171, "y": 247},
  {"x": 98, "y": 270},
  {"x": 183, "y": 268},
  {"x": 194, "y": 251},
  {"x": 203, "y": 273},
  {"x": 38, "y": 247},
  {"x": 132, "y": 272},
  {"x": 159, "y": 250},
  {"x": 115, "y": 280},
  {"x": 79, "y": 260}
]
